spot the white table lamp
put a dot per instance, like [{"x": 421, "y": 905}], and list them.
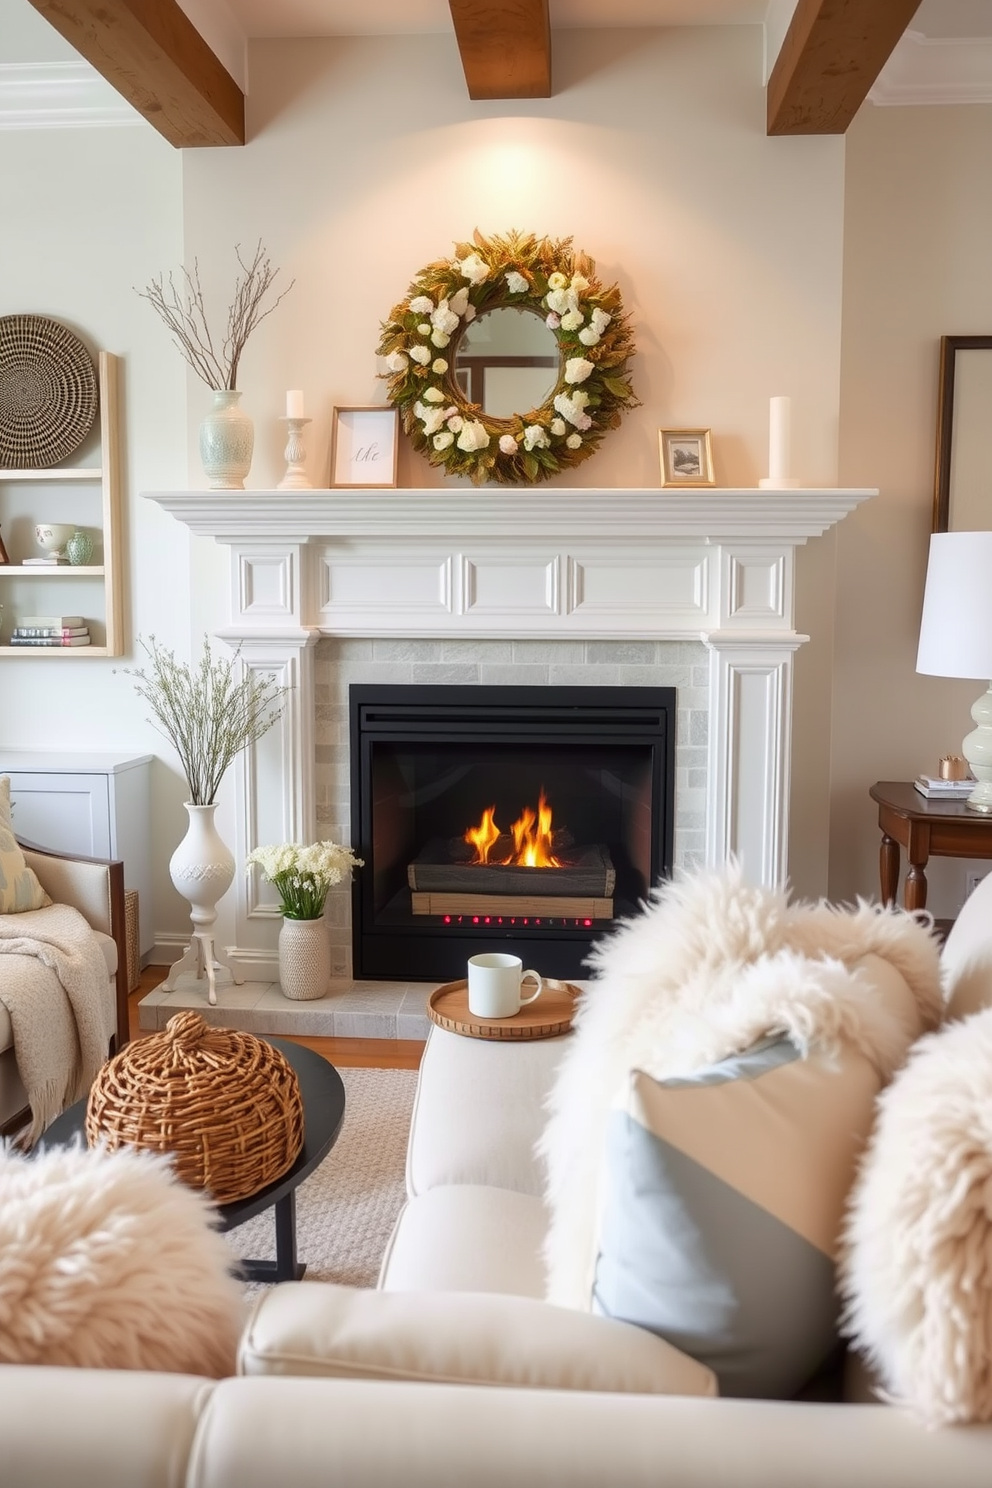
[{"x": 956, "y": 637}]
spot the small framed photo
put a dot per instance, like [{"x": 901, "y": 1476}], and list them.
[
  {"x": 686, "y": 458},
  {"x": 364, "y": 446}
]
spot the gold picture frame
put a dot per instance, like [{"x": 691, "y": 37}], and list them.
[
  {"x": 686, "y": 457},
  {"x": 364, "y": 447}
]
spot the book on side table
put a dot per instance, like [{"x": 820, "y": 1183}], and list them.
[{"x": 934, "y": 787}]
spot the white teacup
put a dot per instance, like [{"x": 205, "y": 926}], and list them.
[{"x": 494, "y": 985}]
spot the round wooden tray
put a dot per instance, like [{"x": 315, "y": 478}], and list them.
[{"x": 551, "y": 1014}]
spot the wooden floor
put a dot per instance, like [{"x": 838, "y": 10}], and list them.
[{"x": 353, "y": 1053}]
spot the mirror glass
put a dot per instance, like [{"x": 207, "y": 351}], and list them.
[
  {"x": 507, "y": 362},
  {"x": 969, "y": 503}
]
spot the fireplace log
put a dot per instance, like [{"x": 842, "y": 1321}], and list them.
[
  {"x": 590, "y": 872},
  {"x": 521, "y": 906}
]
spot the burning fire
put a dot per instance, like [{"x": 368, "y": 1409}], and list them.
[{"x": 531, "y": 838}]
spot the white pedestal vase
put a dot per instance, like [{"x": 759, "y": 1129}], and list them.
[
  {"x": 227, "y": 438},
  {"x": 304, "y": 959},
  {"x": 202, "y": 870}
]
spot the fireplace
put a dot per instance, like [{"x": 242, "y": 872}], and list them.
[{"x": 519, "y": 819}]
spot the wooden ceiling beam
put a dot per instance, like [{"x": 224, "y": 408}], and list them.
[
  {"x": 155, "y": 57},
  {"x": 505, "y": 47},
  {"x": 832, "y": 53}
]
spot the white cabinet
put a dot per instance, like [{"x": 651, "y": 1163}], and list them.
[
  {"x": 88, "y": 495},
  {"x": 98, "y": 805}
]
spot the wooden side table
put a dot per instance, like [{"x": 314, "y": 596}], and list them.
[{"x": 924, "y": 827}]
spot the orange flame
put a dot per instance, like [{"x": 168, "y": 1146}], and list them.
[
  {"x": 484, "y": 835},
  {"x": 531, "y": 838}
]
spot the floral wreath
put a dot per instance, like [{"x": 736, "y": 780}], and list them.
[{"x": 594, "y": 343}]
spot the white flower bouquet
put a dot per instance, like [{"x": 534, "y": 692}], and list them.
[{"x": 303, "y": 875}]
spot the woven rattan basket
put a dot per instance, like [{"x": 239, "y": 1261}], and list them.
[{"x": 227, "y": 1105}]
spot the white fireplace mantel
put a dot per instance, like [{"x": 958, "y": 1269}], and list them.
[{"x": 700, "y": 564}]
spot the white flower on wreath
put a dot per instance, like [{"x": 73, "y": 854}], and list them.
[
  {"x": 443, "y": 440},
  {"x": 425, "y": 328},
  {"x": 475, "y": 270},
  {"x": 557, "y": 281},
  {"x": 558, "y": 427},
  {"x": 572, "y": 407},
  {"x": 439, "y": 365},
  {"x": 431, "y": 418},
  {"x": 508, "y": 445},
  {"x": 577, "y": 369},
  {"x": 455, "y": 423},
  {"x": 574, "y": 441},
  {"x": 421, "y": 305},
  {"x": 397, "y": 361},
  {"x": 440, "y": 339},
  {"x": 557, "y": 301},
  {"x": 598, "y": 321},
  {"x": 444, "y": 319},
  {"x": 572, "y": 320},
  {"x": 552, "y": 321},
  {"x": 433, "y": 395},
  {"x": 516, "y": 283},
  {"x": 420, "y": 354},
  {"x": 474, "y": 436},
  {"x": 458, "y": 303},
  {"x": 579, "y": 284},
  {"x": 588, "y": 336},
  {"x": 470, "y": 312},
  {"x": 535, "y": 437}
]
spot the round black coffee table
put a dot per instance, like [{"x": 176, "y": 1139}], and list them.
[{"x": 323, "y": 1112}]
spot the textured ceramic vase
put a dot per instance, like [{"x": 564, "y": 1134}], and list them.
[
  {"x": 79, "y": 548},
  {"x": 304, "y": 959},
  {"x": 202, "y": 867},
  {"x": 227, "y": 437}
]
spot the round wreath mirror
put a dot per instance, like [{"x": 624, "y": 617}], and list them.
[{"x": 508, "y": 362}]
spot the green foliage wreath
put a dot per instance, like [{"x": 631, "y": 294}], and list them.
[{"x": 544, "y": 275}]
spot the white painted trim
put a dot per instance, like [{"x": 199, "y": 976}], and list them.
[
  {"x": 61, "y": 95},
  {"x": 935, "y": 70}
]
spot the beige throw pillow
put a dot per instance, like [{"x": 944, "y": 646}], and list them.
[{"x": 19, "y": 886}]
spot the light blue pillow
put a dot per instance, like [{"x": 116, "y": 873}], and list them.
[{"x": 723, "y": 1200}]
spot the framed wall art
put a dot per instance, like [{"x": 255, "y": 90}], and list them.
[
  {"x": 364, "y": 446},
  {"x": 961, "y": 498},
  {"x": 686, "y": 458}
]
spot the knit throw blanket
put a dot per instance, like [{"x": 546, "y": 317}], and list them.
[
  {"x": 710, "y": 966},
  {"x": 54, "y": 985}
]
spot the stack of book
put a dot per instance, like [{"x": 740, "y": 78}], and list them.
[
  {"x": 934, "y": 787},
  {"x": 51, "y": 630}
]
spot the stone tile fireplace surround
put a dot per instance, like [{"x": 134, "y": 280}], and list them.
[{"x": 686, "y": 588}]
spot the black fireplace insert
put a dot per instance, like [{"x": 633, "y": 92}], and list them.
[{"x": 521, "y": 819}]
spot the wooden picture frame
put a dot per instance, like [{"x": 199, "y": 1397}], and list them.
[
  {"x": 686, "y": 457},
  {"x": 961, "y": 500},
  {"x": 364, "y": 447},
  {"x": 4, "y": 555}
]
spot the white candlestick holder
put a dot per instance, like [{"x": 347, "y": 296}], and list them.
[{"x": 295, "y": 455}]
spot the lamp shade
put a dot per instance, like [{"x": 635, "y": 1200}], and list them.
[{"x": 956, "y": 629}]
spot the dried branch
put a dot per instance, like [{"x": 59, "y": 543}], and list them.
[{"x": 183, "y": 309}]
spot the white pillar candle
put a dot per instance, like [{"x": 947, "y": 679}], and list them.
[
  {"x": 779, "y": 410},
  {"x": 294, "y": 404}
]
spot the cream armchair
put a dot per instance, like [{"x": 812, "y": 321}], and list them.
[{"x": 95, "y": 887}]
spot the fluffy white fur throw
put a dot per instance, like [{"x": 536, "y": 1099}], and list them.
[
  {"x": 54, "y": 985},
  {"x": 916, "y": 1269},
  {"x": 107, "y": 1261},
  {"x": 711, "y": 965}
]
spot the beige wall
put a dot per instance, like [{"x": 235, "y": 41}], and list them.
[{"x": 917, "y": 265}]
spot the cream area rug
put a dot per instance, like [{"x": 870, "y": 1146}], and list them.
[{"x": 345, "y": 1211}]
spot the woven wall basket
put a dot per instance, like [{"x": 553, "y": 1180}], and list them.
[
  {"x": 226, "y": 1104},
  {"x": 48, "y": 391}
]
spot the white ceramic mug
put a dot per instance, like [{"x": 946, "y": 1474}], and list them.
[{"x": 494, "y": 985}]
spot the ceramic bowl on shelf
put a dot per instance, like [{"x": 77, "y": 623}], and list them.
[{"x": 52, "y": 537}]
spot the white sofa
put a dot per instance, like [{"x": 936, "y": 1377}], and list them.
[{"x": 453, "y": 1372}]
